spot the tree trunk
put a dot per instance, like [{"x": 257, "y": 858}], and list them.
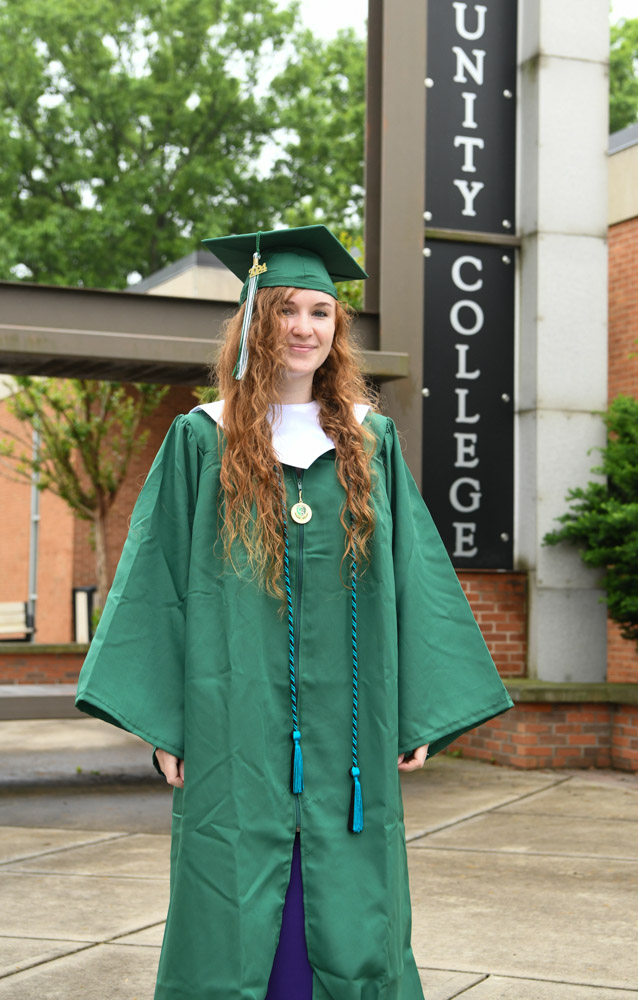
[{"x": 101, "y": 564}]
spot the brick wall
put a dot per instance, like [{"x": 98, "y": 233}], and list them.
[
  {"x": 622, "y": 657},
  {"x": 623, "y": 308},
  {"x": 535, "y": 735},
  {"x": 14, "y": 524},
  {"x": 179, "y": 399},
  {"x": 499, "y": 603},
  {"x": 624, "y": 746},
  {"x": 41, "y": 666},
  {"x": 66, "y": 558},
  {"x": 54, "y": 548}
]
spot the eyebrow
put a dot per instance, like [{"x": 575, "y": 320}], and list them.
[{"x": 315, "y": 305}]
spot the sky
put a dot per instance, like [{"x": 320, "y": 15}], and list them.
[
  {"x": 327, "y": 16},
  {"x": 624, "y": 8}
]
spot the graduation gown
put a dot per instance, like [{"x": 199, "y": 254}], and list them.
[{"x": 193, "y": 657}]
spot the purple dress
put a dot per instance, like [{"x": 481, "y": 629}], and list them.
[{"x": 291, "y": 975}]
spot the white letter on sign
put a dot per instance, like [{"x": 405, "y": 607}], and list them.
[
  {"x": 469, "y": 143},
  {"x": 461, "y": 362},
  {"x": 466, "y": 457},
  {"x": 455, "y": 320},
  {"x": 469, "y": 192},
  {"x": 456, "y": 273},
  {"x": 461, "y": 415},
  {"x": 463, "y": 63},
  {"x": 461, "y": 30},
  {"x": 474, "y": 496},
  {"x": 468, "y": 99},
  {"x": 464, "y": 535}
]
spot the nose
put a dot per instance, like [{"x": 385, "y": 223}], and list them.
[{"x": 302, "y": 324}]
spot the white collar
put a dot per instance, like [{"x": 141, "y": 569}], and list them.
[{"x": 298, "y": 438}]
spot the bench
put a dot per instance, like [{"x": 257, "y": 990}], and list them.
[{"x": 15, "y": 620}]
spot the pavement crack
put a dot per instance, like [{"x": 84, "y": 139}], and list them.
[
  {"x": 582, "y": 816},
  {"x": 470, "y": 986},
  {"x": 61, "y": 850},
  {"x": 482, "y": 812},
  {"x": 528, "y": 977},
  {"x": 45, "y": 959},
  {"x": 92, "y": 875},
  {"x": 138, "y": 930},
  {"x": 530, "y": 854}
]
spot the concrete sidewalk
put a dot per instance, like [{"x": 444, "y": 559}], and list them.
[{"x": 524, "y": 885}]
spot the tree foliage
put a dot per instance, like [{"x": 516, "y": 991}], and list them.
[
  {"x": 319, "y": 100},
  {"x": 130, "y": 129},
  {"x": 89, "y": 431},
  {"x": 623, "y": 74},
  {"x": 603, "y": 519}
]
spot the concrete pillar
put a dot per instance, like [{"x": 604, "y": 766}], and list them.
[
  {"x": 395, "y": 201},
  {"x": 562, "y": 349}
]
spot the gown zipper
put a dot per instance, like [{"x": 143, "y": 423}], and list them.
[{"x": 299, "y": 474}]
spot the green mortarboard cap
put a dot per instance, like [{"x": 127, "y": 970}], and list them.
[{"x": 306, "y": 257}]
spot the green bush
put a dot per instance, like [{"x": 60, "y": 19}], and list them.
[{"x": 603, "y": 519}]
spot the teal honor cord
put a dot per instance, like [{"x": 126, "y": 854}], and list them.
[
  {"x": 253, "y": 277},
  {"x": 355, "y": 818}
]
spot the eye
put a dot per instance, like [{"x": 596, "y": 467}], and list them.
[
  {"x": 287, "y": 311},
  {"x": 320, "y": 313}
]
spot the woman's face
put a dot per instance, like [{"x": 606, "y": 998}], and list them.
[{"x": 309, "y": 328}]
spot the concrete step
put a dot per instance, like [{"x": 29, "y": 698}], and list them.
[{"x": 37, "y": 701}]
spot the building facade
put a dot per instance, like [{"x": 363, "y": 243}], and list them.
[{"x": 572, "y": 677}]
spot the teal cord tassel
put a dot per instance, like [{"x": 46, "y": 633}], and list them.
[
  {"x": 355, "y": 821},
  {"x": 297, "y": 763},
  {"x": 296, "y": 768}
]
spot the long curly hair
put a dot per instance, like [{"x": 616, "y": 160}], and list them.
[{"x": 251, "y": 475}]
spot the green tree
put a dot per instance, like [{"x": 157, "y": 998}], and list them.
[
  {"x": 623, "y": 74},
  {"x": 89, "y": 431},
  {"x": 603, "y": 519},
  {"x": 129, "y": 129},
  {"x": 319, "y": 102}
]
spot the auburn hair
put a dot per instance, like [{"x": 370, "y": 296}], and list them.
[{"x": 252, "y": 481}]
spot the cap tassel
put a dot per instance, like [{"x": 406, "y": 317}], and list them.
[
  {"x": 297, "y": 763},
  {"x": 355, "y": 820},
  {"x": 253, "y": 277}
]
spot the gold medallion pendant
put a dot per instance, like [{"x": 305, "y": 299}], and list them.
[{"x": 301, "y": 512}]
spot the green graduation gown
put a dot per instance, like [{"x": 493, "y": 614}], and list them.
[{"x": 193, "y": 658}]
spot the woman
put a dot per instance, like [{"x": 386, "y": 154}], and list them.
[{"x": 286, "y": 622}]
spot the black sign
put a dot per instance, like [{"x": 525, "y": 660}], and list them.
[
  {"x": 471, "y": 115},
  {"x": 468, "y": 408}
]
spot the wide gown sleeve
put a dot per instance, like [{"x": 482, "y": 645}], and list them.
[
  {"x": 133, "y": 676},
  {"x": 447, "y": 680}
]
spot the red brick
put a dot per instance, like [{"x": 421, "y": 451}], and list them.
[{"x": 582, "y": 739}]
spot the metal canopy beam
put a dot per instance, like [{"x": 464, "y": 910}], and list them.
[{"x": 123, "y": 336}]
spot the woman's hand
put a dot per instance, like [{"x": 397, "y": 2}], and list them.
[
  {"x": 172, "y": 767},
  {"x": 417, "y": 759}
]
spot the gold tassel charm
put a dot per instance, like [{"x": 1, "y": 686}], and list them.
[{"x": 300, "y": 512}]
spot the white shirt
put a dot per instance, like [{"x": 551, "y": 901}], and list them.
[{"x": 298, "y": 438}]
